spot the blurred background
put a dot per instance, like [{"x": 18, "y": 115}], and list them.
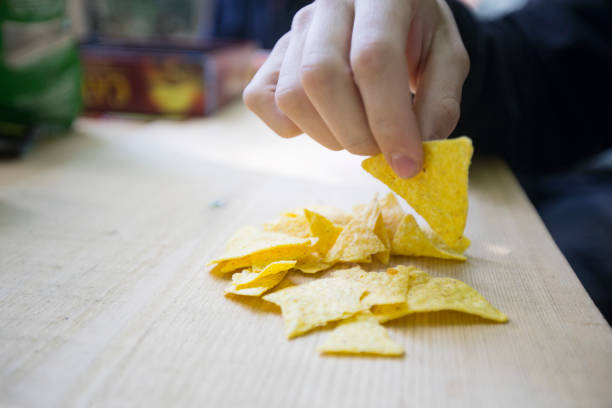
[{"x": 178, "y": 58}]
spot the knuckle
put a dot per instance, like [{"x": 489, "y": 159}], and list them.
[
  {"x": 460, "y": 58},
  {"x": 251, "y": 97},
  {"x": 449, "y": 113},
  {"x": 362, "y": 147},
  {"x": 302, "y": 18},
  {"x": 289, "y": 99},
  {"x": 385, "y": 129},
  {"x": 287, "y": 132},
  {"x": 371, "y": 58},
  {"x": 319, "y": 72}
]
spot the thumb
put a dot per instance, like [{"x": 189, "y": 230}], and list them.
[{"x": 438, "y": 97}]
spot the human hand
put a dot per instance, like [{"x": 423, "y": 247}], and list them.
[{"x": 346, "y": 72}]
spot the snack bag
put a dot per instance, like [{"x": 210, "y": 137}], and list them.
[{"x": 39, "y": 72}]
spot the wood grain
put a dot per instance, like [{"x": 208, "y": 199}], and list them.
[{"x": 105, "y": 299}]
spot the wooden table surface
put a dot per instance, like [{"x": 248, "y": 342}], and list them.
[{"x": 105, "y": 299}]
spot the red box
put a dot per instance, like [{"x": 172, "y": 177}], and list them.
[{"x": 166, "y": 79}]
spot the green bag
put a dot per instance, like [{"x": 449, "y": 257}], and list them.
[{"x": 39, "y": 72}]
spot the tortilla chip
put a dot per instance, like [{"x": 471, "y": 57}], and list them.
[
  {"x": 313, "y": 304},
  {"x": 254, "y": 246},
  {"x": 451, "y": 294},
  {"x": 392, "y": 213},
  {"x": 270, "y": 269},
  {"x": 461, "y": 245},
  {"x": 384, "y": 288},
  {"x": 372, "y": 216},
  {"x": 292, "y": 223},
  {"x": 324, "y": 229},
  {"x": 355, "y": 243},
  {"x": 410, "y": 240},
  {"x": 335, "y": 215},
  {"x": 439, "y": 193},
  {"x": 247, "y": 283},
  {"x": 312, "y": 263},
  {"x": 360, "y": 334},
  {"x": 385, "y": 313}
]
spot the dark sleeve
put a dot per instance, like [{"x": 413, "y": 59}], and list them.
[{"x": 539, "y": 91}]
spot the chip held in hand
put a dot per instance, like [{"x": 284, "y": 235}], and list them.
[{"x": 439, "y": 192}]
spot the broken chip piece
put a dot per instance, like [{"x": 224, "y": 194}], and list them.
[
  {"x": 247, "y": 283},
  {"x": 292, "y": 223},
  {"x": 372, "y": 217},
  {"x": 260, "y": 280},
  {"x": 323, "y": 229},
  {"x": 392, "y": 213},
  {"x": 439, "y": 192},
  {"x": 312, "y": 263},
  {"x": 334, "y": 214},
  {"x": 255, "y": 246},
  {"x": 428, "y": 294},
  {"x": 390, "y": 286},
  {"x": 410, "y": 240},
  {"x": 316, "y": 303},
  {"x": 451, "y": 294},
  {"x": 356, "y": 243},
  {"x": 360, "y": 334}
]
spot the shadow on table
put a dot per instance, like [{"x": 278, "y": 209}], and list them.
[
  {"x": 257, "y": 304},
  {"x": 438, "y": 319}
]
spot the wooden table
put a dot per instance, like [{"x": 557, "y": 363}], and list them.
[{"x": 105, "y": 299}]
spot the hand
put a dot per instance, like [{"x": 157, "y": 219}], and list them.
[{"x": 346, "y": 72}]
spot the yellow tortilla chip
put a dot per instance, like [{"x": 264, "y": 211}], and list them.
[
  {"x": 415, "y": 276},
  {"x": 427, "y": 294},
  {"x": 254, "y": 246},
  {"x": 386, "y": 287},
  {"x": 355, "y": 243},
  {"x": 312, "y": 263},
  {"x": 451, "y": 294},
  {"x": 461, "y": 245},
  {"x": 270, "y": 269},
  {"x": 292, "y": 223},
  {"x": 372, "y": 216},
  {"x": 392, "y": 213},
  {"x": 335, "y": 215},
  {"x": 323, "y": 229},
  {"x": 385, "y": 313},
  {"x": 439, "y": 193},
  {"x": 412, "y": 241},
  {"x": 313, "y": 304},
  {"x": 360, "y": 334},
  {"x": 247, "y": 283}
]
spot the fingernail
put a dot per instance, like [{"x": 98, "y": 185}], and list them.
[{"x": 404, "y": 166}]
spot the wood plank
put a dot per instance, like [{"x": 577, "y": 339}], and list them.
[{"x": 105, "y": 299}]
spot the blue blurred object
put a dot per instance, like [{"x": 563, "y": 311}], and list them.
[{"x": 264, "y": 21}]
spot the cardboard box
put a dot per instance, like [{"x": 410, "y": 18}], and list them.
[{"x": 165, "y": 79}]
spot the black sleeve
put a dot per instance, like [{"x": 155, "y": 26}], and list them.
[{"x": 539, "y": 91}]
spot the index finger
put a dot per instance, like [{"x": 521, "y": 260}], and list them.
[{"x": 378, "y": 60}]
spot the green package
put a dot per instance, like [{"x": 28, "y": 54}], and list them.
[{"x": 39, "y": 72}]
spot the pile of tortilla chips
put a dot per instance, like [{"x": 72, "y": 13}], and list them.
[{"x": 315, "y": 239}]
